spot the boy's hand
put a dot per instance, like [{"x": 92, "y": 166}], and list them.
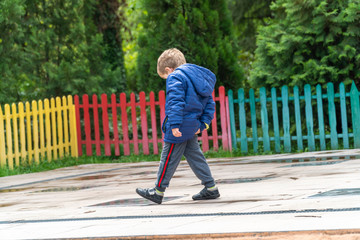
[
  {"x": 176, "y": 132},
  {"x": 198, "y": 131}
]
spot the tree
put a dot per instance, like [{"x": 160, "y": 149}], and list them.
[
  {"x": 52, "y": 48},
  {"x": 201, "y": 29},
  {"x": 130, "y": 31},
  {"x": 247, "y": 15},
  {"x": 11, "y": 43},
  {"x": 312, "y": 41},
  {"x": 109, "y": 20}
]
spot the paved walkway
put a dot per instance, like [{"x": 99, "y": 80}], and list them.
[{"x": 287, "y": 196}]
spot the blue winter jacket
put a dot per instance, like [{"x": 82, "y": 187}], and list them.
[{"x": 189, "y": 103}]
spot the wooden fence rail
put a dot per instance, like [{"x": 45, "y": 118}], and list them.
[
  {"x": 44, "y": 130},
  {"x": 121, "y": 127},
  {"x": 298, "y": 119}
]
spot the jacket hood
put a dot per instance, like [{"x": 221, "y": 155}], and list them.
[{"x": 202, "y": 79}]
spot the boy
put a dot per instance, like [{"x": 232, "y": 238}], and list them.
[{"x": 189, "y": 109}]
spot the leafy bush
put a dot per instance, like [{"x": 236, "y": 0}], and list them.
[
  {"x": 202, "y": 30},
  {"x": 309, "y": 41}
]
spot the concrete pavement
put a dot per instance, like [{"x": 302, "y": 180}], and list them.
[{"x": 288, "y": 196}]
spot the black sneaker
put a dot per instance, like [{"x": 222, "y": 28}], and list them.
[
  {"x": 206, "y": 194},
  {"x": 150, "y": 193}
]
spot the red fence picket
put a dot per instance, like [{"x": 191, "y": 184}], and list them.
[
  {"x": 124, "y": 121},
  {"x": 112, "y": 128},
  {"x": 134, "y": 123},
  {"x": 153, "y": 123},
  {"x": 96, "y": 125}
]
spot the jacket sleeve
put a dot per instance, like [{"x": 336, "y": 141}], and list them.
[
  {"x": 176, "y": 101},
  {"x": 208, "y": 114}
]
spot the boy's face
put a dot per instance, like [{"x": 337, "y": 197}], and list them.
[{"x": 168, "y": 72}]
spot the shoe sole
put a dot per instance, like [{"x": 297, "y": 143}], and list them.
[
  {"x": 144, "y": 196},
  {"x": 207, "y": 198}
]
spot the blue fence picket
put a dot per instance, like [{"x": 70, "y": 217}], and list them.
[
  {"x": 299, "y": 136},
  {"x": 355, "y": 114},
  {"x": 264, "y": 120},
  {"x": 286, "y": 118},
  {"x": 293, "y": 115},
  {"x": 243, "y": 137},
  {"x": 232, "y": 119},
  {"x": 332, "y": 116},
  {"x": 344, "y": 123},
  {"x": 253, "y": 120},
  {"x": 309, "y": 118},
  {"x": 275, "y": 119},
  {"x": 320, "y": 117}
]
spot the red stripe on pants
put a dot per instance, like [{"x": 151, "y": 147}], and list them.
[{"x": 166, "y": 163}]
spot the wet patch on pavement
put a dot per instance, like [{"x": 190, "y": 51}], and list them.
[
  {"x": 133, "y": 202},
  {"x": 7, "y": 205},
  {"x": 310, "y": 159},
  {"x": 241, "y": 180},
  {"x": 15, "y": 190},
  {"x": 60, "y": 178},
  {"x": 338, "y": 192},
  {"x": 94, "y": 177},
  {"x": 66, "y": 189},
  {"x": 314, "y": 164},
  {"x": 144, "y": 173},
  {"x": 244, "y": 180}
]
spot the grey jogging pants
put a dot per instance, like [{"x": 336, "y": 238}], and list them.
[{"x": 170, "y": 159}]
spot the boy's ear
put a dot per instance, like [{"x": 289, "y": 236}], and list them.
[{"x": 169, "y": 70}]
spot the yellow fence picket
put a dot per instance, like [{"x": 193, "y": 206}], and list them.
[
  {"x": 9, "y": 140},
  {"x": 48, "y": 130},
  {"x": 59, "y": 109},
  {"x": 41, "y": 129},
  {"x": 22, "y": 131},
  {"x": 66, "y": 124},
  {"x": 2, "y": 141},
  {"x": 28, "y": 132},
  {"x": 35, "y": 131},
  {"x": 73, "y": 132},
  {"x": 16, "y": 134},
  {"x": 53, "y": 127},
  {"x": 45, "y": 130}
]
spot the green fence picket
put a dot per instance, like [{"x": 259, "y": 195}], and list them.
[
  {"x": 299, "y": 135},
  {"x": 332, "y": 116},
  {"x": 309, "y": 118},
  {"x": 232, "y": 119},
  {"x": 286, "y": 118},
  {"x": 355, "y": 114},
  {"x": 242, "y": 116},
  {"x": 253, "y": 120},
  {"x": 344, "y": 123},
  {"x": 264, "y": 120},
  {"x": 275, "y": 119},
  {"x": 326, "y": 128},
  {"x": 320, "y": 111}
]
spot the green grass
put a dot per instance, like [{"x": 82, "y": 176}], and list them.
[
  {"x": 71, "y": 161},
  {"x": 45, "y": 165}
]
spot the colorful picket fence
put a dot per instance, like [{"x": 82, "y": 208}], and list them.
[
  {"x": 316, "y": 118},
  {"x": 43, "y": 130},
  {"x": 299, "y": 119},
  {"x": 121, "y": 127}
]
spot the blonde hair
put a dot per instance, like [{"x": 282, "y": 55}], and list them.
[{"x": 171, "y": 58}]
